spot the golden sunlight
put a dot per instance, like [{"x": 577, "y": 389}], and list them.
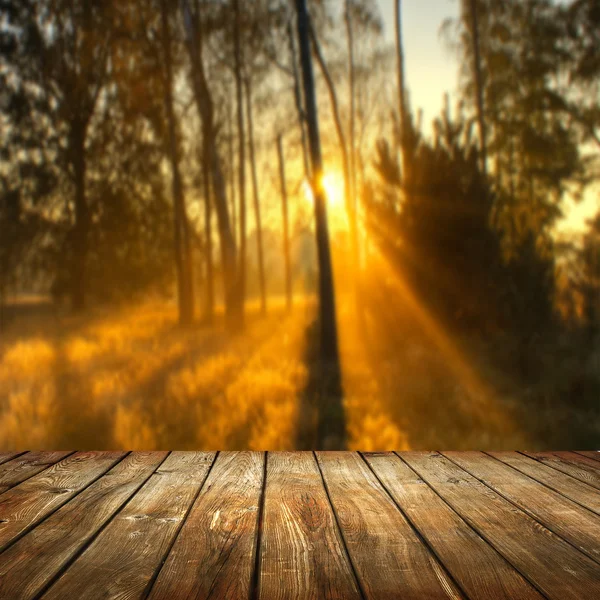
[{"x": 333, "y": 184}]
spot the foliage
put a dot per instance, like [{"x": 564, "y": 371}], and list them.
[{"x": 438, "y": 230}]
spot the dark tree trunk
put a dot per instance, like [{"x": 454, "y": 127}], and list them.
[
  {"x": 286, "y": 229},
  {"x": 402, "y": 105},
  {"x": 204, "y": 104},
  {"x": 352, "y": 116},
  {"x": 231, "y": 170},
  {"x": 256, "y": 197},
  {"x": 348, "y": 198},
  {"x": 239, "y": 91},
  {"x": 82, "y": 218},
  {"x": 183, "y": 257},
  {"x": 478, "y": 84},
  {"x": 329, "y": 344},
  {"x": 209, "y": 309},
  {"x": 298, "y": 102}
]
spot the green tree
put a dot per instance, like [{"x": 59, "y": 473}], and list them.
[{"x": 54, "y": 69}]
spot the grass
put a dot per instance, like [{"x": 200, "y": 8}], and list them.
[{"x": 133, "y": 379}]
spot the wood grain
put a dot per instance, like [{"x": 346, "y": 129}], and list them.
[
  {"x": 557, "y": 569},
  {"x": 214, "y": 555},
  {"x": 27, "y": 504},
  {"x": 564, "y": 462},
  {"x": 580, "y": 459},
  {"x": 319, "y": 526},
  {"x": 593, "y": 454},
  {"x": 25, "y": 466},
  {"x": 6, "y": 456},
  {"x": 302, "y": 556},
  {"x": 474, "y": 564},
  {"x": 122, "y": 560},
  {"x": 388, "y": 556},
  {"x": 570, "y": 521},
  {"x": 32, "y": 562},
  {"x": 568, "y": 486}
]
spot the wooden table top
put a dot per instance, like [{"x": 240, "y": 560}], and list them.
[{"x": 171, "y": 525}]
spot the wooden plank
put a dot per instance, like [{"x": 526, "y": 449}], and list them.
[
  {"x": 554, "y": 566},
  {"x": 302, "y": 556},
  {"x": 122, "y": 561},
  {"x": 561, "y": 462},
  {"x": 27, "y": 504},
  {"x": 29, "y": 565},
  {"x": 387, "y": 554},
  {"x": 214, "y": 555},
  {"x": 568, "y": 486},
  {"x": 580, "y": 459},
  {"x": 570, "y": 521},
  {"x": 6, "y": 456},
  {"x": 480, "y": 571},
  {"x": 593, "y": 454},
  {"x": 18, "y": 470}
]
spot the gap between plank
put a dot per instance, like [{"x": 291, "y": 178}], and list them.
[
  {"x": 17, "y": 454},
  {"x": 361, "y": 590},
  {"x": 549, "y": 464},
  {"x": 416, "y": 531},
  {"x": 524, "y": 511},
  {"x": 255, "y": 583},
  {"x": 595, "y": 452},
  {"x": 472, "y": 527},
  {"x": 14, "y": 485},
  {"x": 162, "y": 562},
  {"x": 543, "y": 484},
  {"x": 61, "y": 571},
  {"x": 59, "y": 506}
]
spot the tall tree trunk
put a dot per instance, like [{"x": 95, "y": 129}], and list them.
[
  {"x": 477, "y": 71},
  {"x": 82, "y": 217},
  {"x": 231, "y": 169},
  {"x": 183, "y": 257},
  {"x": 239, "y": 90},
  {"x": 349, "y": 201},
  {"x": 329, "y": 344},
  {"x": 209, "y": 309},
  {"x": 352, "y": 115},
  {"x": 204, "y": 104},
  {"x": 256, "y": 197},
  {"x": 298, "y": 102},
  {"x": 286, "y": 229},
  {"x": 402, "y": 104}
]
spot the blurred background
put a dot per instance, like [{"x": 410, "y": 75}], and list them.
[{"x": 169, "y": 278}]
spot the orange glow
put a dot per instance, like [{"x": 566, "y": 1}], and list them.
[{"x": 334, "y": 187}]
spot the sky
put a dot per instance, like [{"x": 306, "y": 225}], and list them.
[{"x": 432, "y": 70}]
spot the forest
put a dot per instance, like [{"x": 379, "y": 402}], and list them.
[{"x": 225, "y": 224}]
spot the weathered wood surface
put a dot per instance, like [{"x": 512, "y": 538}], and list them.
[
  {"x": 572, "y": 464},
  {"x": 299, "y": 525},
  {"x": 302, "y": 553}
]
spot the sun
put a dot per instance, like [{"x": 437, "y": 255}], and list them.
[{"x": 333, "y": 184}]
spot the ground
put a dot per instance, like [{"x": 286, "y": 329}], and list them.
[{"x": 132, "y": 378}]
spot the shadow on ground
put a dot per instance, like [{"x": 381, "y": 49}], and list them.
[{"x": 321, "y": 418}]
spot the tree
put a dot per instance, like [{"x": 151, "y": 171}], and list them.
[
  {"x": 55, "y": 67},
  {"x": 402, "y": 100},
  {"x": 529, "y": 140},
  {"x": 286, "y": 231},
  {"x": 473, "y": 18},
  {"x": 203, "y": 98},
  {"x": 256, "y": 198},
  {"x": 342, "y": 144},
  {"x": 239, "y": 90},
  {"x": 183, "y": 257},
  {"x": 587, "y": 281},
  {"x": 329, "y": 347}
]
